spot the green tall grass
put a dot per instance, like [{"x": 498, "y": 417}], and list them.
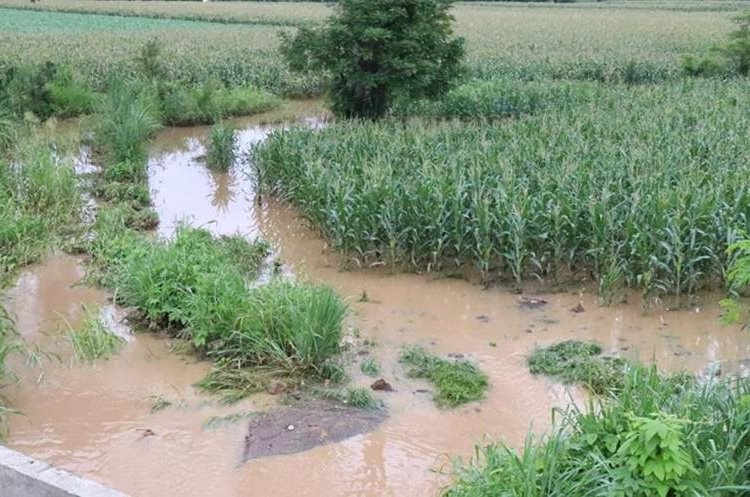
[
  {"x": 196, "y": 286},
  {"x": 643, "y": 187},
  {"x": 40, "y": 203},
  {"x": 220, "y": 150},
  {"x": 127, "y": 117},
  {"x": 657, "y": 436},
  {"x": 92, "y": 340}
]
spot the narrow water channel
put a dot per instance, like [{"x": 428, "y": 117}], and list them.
[{"x": 97, "y": 420}]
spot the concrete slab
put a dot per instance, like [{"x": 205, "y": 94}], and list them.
[{"x": 23, "y": 476}]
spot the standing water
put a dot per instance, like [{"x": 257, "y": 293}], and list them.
[{"x": 100, "y": 421}]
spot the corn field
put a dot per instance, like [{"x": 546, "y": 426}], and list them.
[{"x": 643, "y": 187}]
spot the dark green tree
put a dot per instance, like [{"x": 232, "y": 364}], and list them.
[{"x": 378, "y": 50}]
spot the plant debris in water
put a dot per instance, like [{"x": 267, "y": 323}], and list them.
[
  {"x": 92, "y": 340},
  {"x": 457, "y": 381},
  {"x": 578, "y": 362}
]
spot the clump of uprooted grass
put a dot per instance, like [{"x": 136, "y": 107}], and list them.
[
  {"x": 220, "y": 150},
  {"x": 92, "y": 340},
  {"x": 457, "y": 381},
  {"x": 579, "y": 362},
  {"x": 656, "y": 436},
  {"x": 196, "y": 286},
  {"x": 359, "y": 397}
]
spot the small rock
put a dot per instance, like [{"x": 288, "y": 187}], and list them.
[
  {"x": 529, "y": 330},
  {"x": 578, "y": 309},
  {"x": 421, "y": 390},
  {"x": 456, "y": 355},
  {"x": 483, "y": 318},
  {"x": 276, "y": 387},
  {"x": 531, "y": 302},
  {"x": 363, "y": 352},
  {"x": 381, "y": 385},
  {"x": 290, "y": 428}
]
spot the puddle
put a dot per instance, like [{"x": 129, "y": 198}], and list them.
[{"x": 94, "y": 420}]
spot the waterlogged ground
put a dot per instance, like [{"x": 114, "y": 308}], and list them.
[{"x": 98, "y": 420}]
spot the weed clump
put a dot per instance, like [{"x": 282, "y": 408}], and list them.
[
  {"x": 656, "y": 436},
  {"x": 457, "y": 382},
  {"x": 222, "y": 142},
  {"x": 370, "y": 367},
  {"x": 92, "y": 340},
  {"x": 578, "y": 362},
  {"x": 195, "y": 286}
]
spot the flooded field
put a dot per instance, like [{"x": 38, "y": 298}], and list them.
[{"x": 100, "y": 421}]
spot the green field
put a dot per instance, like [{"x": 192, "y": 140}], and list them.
[{"x": 34, "y": 23}]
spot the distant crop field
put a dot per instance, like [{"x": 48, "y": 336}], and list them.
[
  {"x": 33, "y": 22},
  {"x": 282, "y": 13}
]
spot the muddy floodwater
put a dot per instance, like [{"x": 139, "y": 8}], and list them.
[{"x": 98, "y": 420}]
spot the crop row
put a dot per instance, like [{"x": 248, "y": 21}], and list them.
[{"x": 640, "y": 186}]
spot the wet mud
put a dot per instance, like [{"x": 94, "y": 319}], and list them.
[
  {"x": 289, "y": 430},
  {"x": 99, "y": 420}
]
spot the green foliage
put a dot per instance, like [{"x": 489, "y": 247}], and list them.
[
  {"x": 221, "y": 144},
  {"x": 510, "y": 199},
  {"x": 150, "y": 60},
  {"x": 370, "y": 367},
  {"x": 359, "y": 397},
  {"x": 126, "y": 119},
  {"x": 196, "y": 286},
  {"x": 187, "y": 105},
  {"x": 40, "y": 203},
  {"x": 711, "y": 65},
  {"x": 738, "y": 280},
  {"x": 376, "y": 52},
  {"x": 92, "y": 340},
  {"x": 738, "y": 48},
  {"x": 457, "y": 382},
  {"x": 579, "y": 362},
  {"x": 658, "y": 435}
]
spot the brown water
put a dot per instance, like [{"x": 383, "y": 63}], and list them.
[{"x": 92, "y": 419}]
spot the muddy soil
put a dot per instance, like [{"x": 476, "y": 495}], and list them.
[
  {"x": 93, "y": 419},
  {"x": 289, "y": 430}
]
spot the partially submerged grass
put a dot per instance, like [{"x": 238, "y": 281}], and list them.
[
  {"x": 370, "y": 367},
  {"x": 579, "y": 362},
  {"x": 196, "y": 286},
  {"x": 220, "y": 150},
  {"x": 657, "y": 435},
  {"x": 159, "y": 403},
  {"x": 216, "y": 422},
  {"x": 92, "y": 340},
  {"x": 359, "y": 397},
  {"x": 457, "y": 382}
]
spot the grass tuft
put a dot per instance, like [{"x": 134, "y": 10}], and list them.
[
  {"x": 579, "y": 362},
  {"x": 457, "y": 382},
  {"x": 370, "y": 367},
  {"x": 92, "y": 340},
  {"x": 222, "y": 142}
]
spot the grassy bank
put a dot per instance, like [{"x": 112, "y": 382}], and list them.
[
  {"x": 604, "y": 186},
  {"x": 666, "y": 436}
]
